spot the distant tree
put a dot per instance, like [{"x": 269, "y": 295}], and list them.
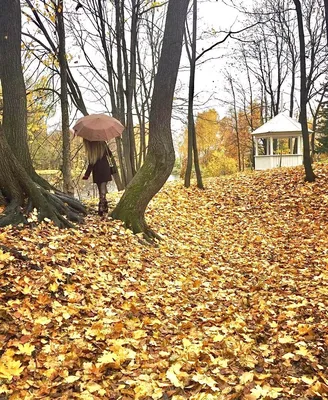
[
  {"x": 206, "y": 130},
  {"x": 236, "y": 146},
  {"x": 192, "y": 137},
  {"x": 322, "y": 130},
  {"x": 220, "y": 164}
]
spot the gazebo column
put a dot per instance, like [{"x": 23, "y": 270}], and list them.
[
  {"x": 256, "y": 146},
  {"x": 271, "y": 146},
  {"x": 299, "y": 145}
]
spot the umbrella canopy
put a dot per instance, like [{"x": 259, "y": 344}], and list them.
[
  {"x": 98, "y": 127},
  {"x": 280, "y": 126}
]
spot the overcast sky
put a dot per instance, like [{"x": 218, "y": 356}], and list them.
[{"x": 214, "y": 19}]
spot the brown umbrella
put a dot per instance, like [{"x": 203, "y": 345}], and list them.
[{"x": 98, "y": 127}]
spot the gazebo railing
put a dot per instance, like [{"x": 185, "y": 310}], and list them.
[{"x": 277, "y": 160}]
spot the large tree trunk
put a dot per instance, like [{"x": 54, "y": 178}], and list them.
[
  {"x": 14, "y": 101},
  {"x": 21, "y": 189},
  {"x": 160, "y": 158},
  {"x": 309, "y": 174}
]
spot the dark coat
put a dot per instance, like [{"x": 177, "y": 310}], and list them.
[{"x": 101, "y": 171}]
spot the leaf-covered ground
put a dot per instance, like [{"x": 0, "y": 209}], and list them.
[{"x": 232, "y": 304}]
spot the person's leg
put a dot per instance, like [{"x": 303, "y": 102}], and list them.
[
  {"x": 103, "y": 205},
  {"x": 104, "y": 192}
]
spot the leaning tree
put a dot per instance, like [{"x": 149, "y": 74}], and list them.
[
  {"x": 21, "y": 189},
  {"x": 160, "y": 158}
]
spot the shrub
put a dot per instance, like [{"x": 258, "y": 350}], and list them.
[{"x": 219, "y": 164}]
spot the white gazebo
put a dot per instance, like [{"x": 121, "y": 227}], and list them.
[{"x": 278, "y": 143}]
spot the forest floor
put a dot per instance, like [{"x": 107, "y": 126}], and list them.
[{"x": 231, "y": 304}]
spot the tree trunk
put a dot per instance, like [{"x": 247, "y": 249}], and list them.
[
  {"x": 309, "y": 174},
  {"x": 66, "y": 167},
  {"x": 191, "y": 97},
  {"x": 20, "y": 187},
  {"x": 119, "y": 32},
  {"x": 236, "y": 122},
  {"x": 191, "y": 122},
  {"x": 14, "y": 101},
  {"x": 160, "y": 158},
  {"x": 326, "y": 18},
  {"x": 192, "y": 138}
]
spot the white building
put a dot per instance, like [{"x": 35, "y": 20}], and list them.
[{"x": 278, "y": 143}]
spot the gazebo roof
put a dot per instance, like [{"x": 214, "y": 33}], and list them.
[{"x": 280, "y": 126}]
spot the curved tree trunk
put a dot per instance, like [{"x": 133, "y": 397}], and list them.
[
  {"x": 160, "y": 158},
  {"x": 21, "y": 189}
]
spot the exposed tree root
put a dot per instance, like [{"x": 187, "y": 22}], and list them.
[
  {"x": 53, "y": 205},
  {"x": 137, "y": 225},
  {"x": 151, "y": 235},
  {"x": 12, "y": 215},
  {"x": 2, "y": 200},
  {"x": 19, "y": 256}
]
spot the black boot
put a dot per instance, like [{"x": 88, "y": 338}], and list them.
[
  {"x": 101, "y": 208},
  {"x": 106, "y": 207}
]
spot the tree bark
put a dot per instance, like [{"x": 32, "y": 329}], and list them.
[
  {"x": 309, "y": 174},
  {"x": 20, "y": 187},
  {"x": 14, "y": 101},
  {"x": 326, "y": 18},
  {"x": 66, "y": 167},
  {"x": 192, "y": 137},
  {"x": 236, "y": 127},
  {"x": 160, "y": 158}
]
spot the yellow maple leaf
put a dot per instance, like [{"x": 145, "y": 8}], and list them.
[
  {"x": 138, "y": 334},
  {"x": 4, "y": 389},
  {"x": 107, "y": 358},
  {"x": 5, "y": 256},
  {"x": 53, "y": 287},
  {"x": 25, "y": 348},
  {"x": 71, "y": 378},
  {"x": 10, "y": 368},
  {"x": 205, "y": 380},
  {"x": 142, "y": 390},
  {"x": 93, "y": 387},
  {"x": 172, "y": 373},
  {"x": 308, "y": 380},
  {"x": 218, "y": 338},
  {"x": 303, "y": 351},
  {"x": 246, "y": 377},
  {"x": 122, "y": 353},
  {"x": 286, "y": 339},
  {"x": 43, "y": 320}
]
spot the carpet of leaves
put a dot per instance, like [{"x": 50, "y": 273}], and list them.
[{"x": 231, "y": 304}]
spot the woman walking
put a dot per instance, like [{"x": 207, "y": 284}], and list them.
[{"x": 98, "y": 154}]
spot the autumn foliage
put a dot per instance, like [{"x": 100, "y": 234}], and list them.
[{"x": 231, "y": 304}]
